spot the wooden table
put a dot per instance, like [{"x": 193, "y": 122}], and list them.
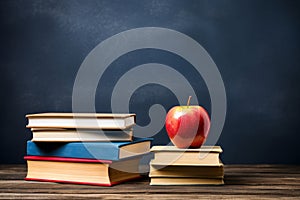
[{"x": 241, "y": 182}]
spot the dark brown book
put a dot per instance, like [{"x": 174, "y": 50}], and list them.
[{"x": 186, "y": 171}]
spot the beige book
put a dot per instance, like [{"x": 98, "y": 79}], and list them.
[
  {"x": 186, "y": 181},
  {"x": 81, "y": 120},
  {"x": 84, "y": 135},
  {"x": 171, "y": 155}
]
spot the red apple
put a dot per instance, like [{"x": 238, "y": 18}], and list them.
[{"x": 187, "y": 126}]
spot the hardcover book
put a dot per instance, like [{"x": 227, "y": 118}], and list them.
[
  {"x": 81, "y": 171},
  {"x": 78, "y": 135},
  {"x": 171, "y": 155},
  {"x": 187, "y": 171},
  {"x": 90, "y": 150},
  {"x": 186, "y": 181},
  {"x": 81, "y": 120}
]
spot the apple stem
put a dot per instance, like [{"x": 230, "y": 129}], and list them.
[{"x": 188, "y": 102}]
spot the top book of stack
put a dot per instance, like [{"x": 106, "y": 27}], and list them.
[
  {"x": 171, "y": 155},
  {"x": 81, "y": 120}
]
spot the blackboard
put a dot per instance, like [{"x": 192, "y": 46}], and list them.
[{"x": 255, "y": 45}]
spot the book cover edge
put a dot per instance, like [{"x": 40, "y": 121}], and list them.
[{"x": 83, "y": 183}]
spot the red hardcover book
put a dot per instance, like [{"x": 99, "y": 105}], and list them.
[{"x": 81, "y": 171}]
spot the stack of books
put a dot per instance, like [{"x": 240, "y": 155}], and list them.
[
  {"x": 174, "y": 166},
  {"x": 84, "y": 148}
]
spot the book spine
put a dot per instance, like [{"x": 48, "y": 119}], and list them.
[{"x": 62, "y": 159}]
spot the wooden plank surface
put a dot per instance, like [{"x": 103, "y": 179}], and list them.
[{"x": 241, "y": 182}]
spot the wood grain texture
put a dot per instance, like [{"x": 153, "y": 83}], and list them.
[{"x": 241, "y": 182}]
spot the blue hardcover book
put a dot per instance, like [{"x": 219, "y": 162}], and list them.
[{"x": 90, "y": 150}]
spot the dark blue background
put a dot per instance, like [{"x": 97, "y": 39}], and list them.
[{"x": 255, "y": 45}]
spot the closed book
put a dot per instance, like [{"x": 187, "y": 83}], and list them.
[
  {"x": 81, "y": 120},
  {"x": 80, "y": 135},
  {"x": 171, "y": 155},
  {"x": 81, "y": 171},
  {"x": 90, "y": 150},
  {"x": 186, "y": 171},
  {"x": 185, "y": 181}
]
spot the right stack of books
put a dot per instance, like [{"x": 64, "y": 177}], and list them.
[{"x": 174, "y": 166}]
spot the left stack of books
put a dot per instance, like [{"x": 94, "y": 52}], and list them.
[{"x": 84, "y": 148}]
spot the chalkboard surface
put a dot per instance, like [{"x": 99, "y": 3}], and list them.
[{"x": 255, "y": 45}]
